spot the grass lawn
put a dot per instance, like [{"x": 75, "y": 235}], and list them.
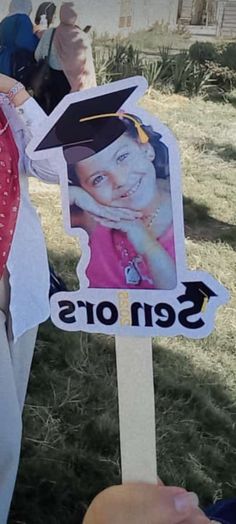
[{"x": 71, "y": 437}]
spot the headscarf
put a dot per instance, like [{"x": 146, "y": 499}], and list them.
[
  {"x": 74, "y": 50},
  {"x": 9, "y": 189},
  {"x": 46, "y": 8},
  {"x": 23, "y": 7}
]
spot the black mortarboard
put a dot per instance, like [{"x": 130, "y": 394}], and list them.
[
  {"x": 197, "y": 292},
  {"x": 197, "y": 287},
  {"x": 88, "y": 126}
]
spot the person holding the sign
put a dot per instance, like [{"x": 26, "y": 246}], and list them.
[
  {"x": 24, "y": 274},
  {"x": 74, "y": 50},
  {"x": 145, "y": 504}
]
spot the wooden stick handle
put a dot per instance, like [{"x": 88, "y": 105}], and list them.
[{"x": 136, "y": 409}]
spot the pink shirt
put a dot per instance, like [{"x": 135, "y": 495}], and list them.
[{"x": 112, "y": 254}]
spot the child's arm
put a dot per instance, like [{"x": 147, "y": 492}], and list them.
[
  {"x": 31, "y": 114},
  {"x": 162, "y": 266}
]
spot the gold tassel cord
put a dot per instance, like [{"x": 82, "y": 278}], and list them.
[{"x": 143, "y": 137}]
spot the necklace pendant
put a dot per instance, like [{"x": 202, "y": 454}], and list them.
[{"x": 132, "y": 275}]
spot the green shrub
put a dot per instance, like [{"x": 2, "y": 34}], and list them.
[
  {"x": 228, "y": 56},
  {"x": 102, "y": 67},
  {"x": 159, "y": 72},
  {"x": 224, "y": 77},
  {"x": 165, "y": 53},
  {"x": 180, "y": 70},
  {"x": 200, "y": 80},
  {"x": 202, "y": 52},
  {"x": 152, "y": 72},
  {"x": 195, "y": 72},
  {"x": 124, "y": 61}
]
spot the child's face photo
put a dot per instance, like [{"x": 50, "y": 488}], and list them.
[
  {"x": 122, "y": 175},
  {"x": 121, "y": 197}
]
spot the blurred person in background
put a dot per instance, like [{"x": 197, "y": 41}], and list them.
[
  {"x": 57, "y": 86},
  {"x": 44, "y": 17},
  {"x": 17, "y": 41},
  {"x": 74, "y": 50}
]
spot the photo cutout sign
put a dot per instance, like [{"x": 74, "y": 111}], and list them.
[{"x": 120, "y": 179}]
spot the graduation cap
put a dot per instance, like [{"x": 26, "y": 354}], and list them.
[
  {"x": 197, "y": 292},
  {"x": 89, "y": 126},
  {"x": 199, "y": 287}
]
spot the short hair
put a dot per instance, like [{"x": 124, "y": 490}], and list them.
[{"x": 46, "y": 8}]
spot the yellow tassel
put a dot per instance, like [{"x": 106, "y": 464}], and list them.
[
  {"x": 205, "y": 302},
  {"x": 143, "y": 137}
]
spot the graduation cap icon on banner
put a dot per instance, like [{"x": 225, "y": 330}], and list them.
[
  {"x": 86, "y": 126},
  {"x": 197, "y": 291}
]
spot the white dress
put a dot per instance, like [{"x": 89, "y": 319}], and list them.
[{"x": 27, "y": 262}]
